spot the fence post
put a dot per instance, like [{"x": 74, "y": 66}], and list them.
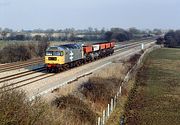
[
  {"x": 99, "y": 120},
  {"x": 112, "y": 104},
  {"x": 120, "y": 89},
  {"x": 108, "y": 111},
  {"x": 115, "y": 99},
  {"x": 103, "y": 118},
  {"x": 142, "y": 46}
]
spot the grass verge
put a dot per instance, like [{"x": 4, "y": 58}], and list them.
[{"x": 155, "y": 99}]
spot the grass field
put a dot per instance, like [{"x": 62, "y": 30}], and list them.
[
  {"x": 155, "y": 100},
  {"x": 4, "y": 43}
]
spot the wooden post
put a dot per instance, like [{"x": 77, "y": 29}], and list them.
[
  {"x": 115, "y": 100},
  {"x": 142, "y": 46},
  {"x": 104, "y": 117},
  {"x": 112, "y": 104},
  {"x": 99, "y": 120},
  {"x": 120, "y": 89},
  {"x": 108, "y": 111},
  {"x": 117, "y": 94}
]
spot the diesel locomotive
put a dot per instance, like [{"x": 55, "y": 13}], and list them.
[{"x": 66, "y": 56}]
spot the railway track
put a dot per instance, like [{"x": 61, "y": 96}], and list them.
[
  {"x": 10, "y": 77},
  {"x": 18, "y": 65},
  {"x": 14, "y": 66},
  {"x": 18, "y": 75},
  {"x": 38, "y": 77}
]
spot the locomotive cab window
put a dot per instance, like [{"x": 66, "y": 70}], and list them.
[
  {"x": 49, "y": 53},
  {"x": 55, "y": 53},
  {"x": 58, "y": 53}
]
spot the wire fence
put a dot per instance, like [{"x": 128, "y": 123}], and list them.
[{"x": 111, "y": 106}]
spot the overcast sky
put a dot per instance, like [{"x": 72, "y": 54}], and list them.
[{"x": 80, "y": 14}]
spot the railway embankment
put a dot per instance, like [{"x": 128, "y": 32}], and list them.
[
  {"x": 85, "y": 99},
  {"x": 79, "y": 102}
]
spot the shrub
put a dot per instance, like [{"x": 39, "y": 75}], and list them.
[
  {"x": 100, "y": 90},
  {"x": 14, "y": 52},
  {"x": 22, "y": 52},
  {"x": 74, "y": 111},
  {"x": 15, "y": 109}
]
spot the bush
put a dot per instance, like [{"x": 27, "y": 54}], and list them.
[
  {"x": 15, "y": 109},
  {"x": 100, "y": 90},
  {"x": 14, "y": 52},
  {"x": 119, "y": 34},
  {"x": 133, "y": 59},
  {"x": 172, "y": 38},
  {"x": 22, "y": 52},
  {"x": 74, "y": 111}
]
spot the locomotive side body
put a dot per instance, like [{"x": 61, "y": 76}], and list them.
[{"x": 73, "y": 52}]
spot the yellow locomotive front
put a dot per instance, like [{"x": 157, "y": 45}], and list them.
[{"x": 54, "y": 58}]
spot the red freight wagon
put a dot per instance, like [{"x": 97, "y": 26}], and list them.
[
  {"x": 87, "y": 49},
  {"x": 108, "y": 45},
  {"x": 103, "y": 46},
  {"x": 112, "y": 44}
]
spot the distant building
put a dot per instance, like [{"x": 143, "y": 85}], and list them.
[
  {"x": 38, "y": 34},
  {"x": 80, "y": 36},
  {"x": 58, "y": 35}
]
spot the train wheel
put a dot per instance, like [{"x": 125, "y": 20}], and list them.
[
  {"x": 56, "y": 70},
  {"x": 49, "y": 70}
]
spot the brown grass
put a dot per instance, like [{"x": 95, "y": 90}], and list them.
[
  {"x": 114, "y": 119},
  {"x": 99, "y": 91},
  {"x": 81, "y": 101},
  {"x": 93, "y": 99},
  {"x": 118, "y": 112},
  {"x": 80, "y": 107},
  {"x": 15, "y": 109},
  {"x": 103, "y": 86},
  {"x": 75, "y": 112}
]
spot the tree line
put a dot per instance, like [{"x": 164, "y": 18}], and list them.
[
  {"x": 90, "y": 34},
  {"x": 121, "y": 35},
  {"x": 22, "y": 51},
  {"x": 172, "y": 38}
]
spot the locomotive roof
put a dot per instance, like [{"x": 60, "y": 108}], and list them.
[
  {"x": 64, "y": 47},
  {"x": 70, "y": 46}
]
